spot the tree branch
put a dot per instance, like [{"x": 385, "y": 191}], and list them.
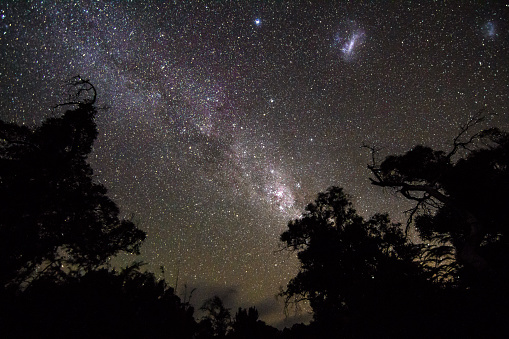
[
  {"x": 475, "y": 120},
  {"x": 78, "y": 86},
  {"x": 432, "y": 194}
]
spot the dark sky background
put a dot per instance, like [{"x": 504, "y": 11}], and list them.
[{"x": 226, "y": 118}]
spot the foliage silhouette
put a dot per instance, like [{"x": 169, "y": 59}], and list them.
[
  {"x": 99, "y": 304},
  {"x": 461, "y": 199},
  {"x": 217, "y": 320},
  {"x": 57, "y": 231},
  {"x": 53, "y": 218},
  {"x": 358, "y": 276},
  {"x": 248, "y": 326},
  {"x": 217, "y": 323}
]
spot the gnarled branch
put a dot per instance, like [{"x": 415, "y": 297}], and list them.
[{"x": 80, "y": 92}]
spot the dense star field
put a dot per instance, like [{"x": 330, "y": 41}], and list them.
[{"x": 226, "y": 118}]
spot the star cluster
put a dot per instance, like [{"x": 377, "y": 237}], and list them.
[{"x": 226, "y": 118}]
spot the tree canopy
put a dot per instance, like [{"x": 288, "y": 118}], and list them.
[
  {"x": 351, "y": 269},
  {"x": 217, "y": 320},
  {"x": 460, "y": 196},
  {"x": 53, "y": 216},
  {"x": 102, "y": 303},
  {"x": 461, "y": 199}
]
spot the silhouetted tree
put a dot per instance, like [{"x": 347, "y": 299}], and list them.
[
  {"x": 301, "y": 331},
  {"x": 461, "y": 199},
  {"x": 358, "y": 276},
  {"x": 99, "y": 304},
  {"x": 217, "y": 319},
  {"x": 248, "y": 326},
  {"x": 54, "y": 218}
]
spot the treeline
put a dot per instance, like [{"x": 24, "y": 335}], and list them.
[{"x": 362, "y": 278}]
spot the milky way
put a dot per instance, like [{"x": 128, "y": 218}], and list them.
[{"x": 226, "y": 118}]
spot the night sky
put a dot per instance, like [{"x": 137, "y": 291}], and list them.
[{"x": 226, "y": 118}]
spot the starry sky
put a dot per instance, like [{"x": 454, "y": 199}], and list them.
[{"x": 227, "y": 117}]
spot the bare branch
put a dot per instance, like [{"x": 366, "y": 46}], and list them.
[
  {"x": 406, "y": 188},
  {"x": 475, "y": 120},
  {"x": 374, "y": 151},
  {"x": 374, "y": 167},
  {"x": 413, "y": 211},
  {"x": 80, "y": 92}
]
